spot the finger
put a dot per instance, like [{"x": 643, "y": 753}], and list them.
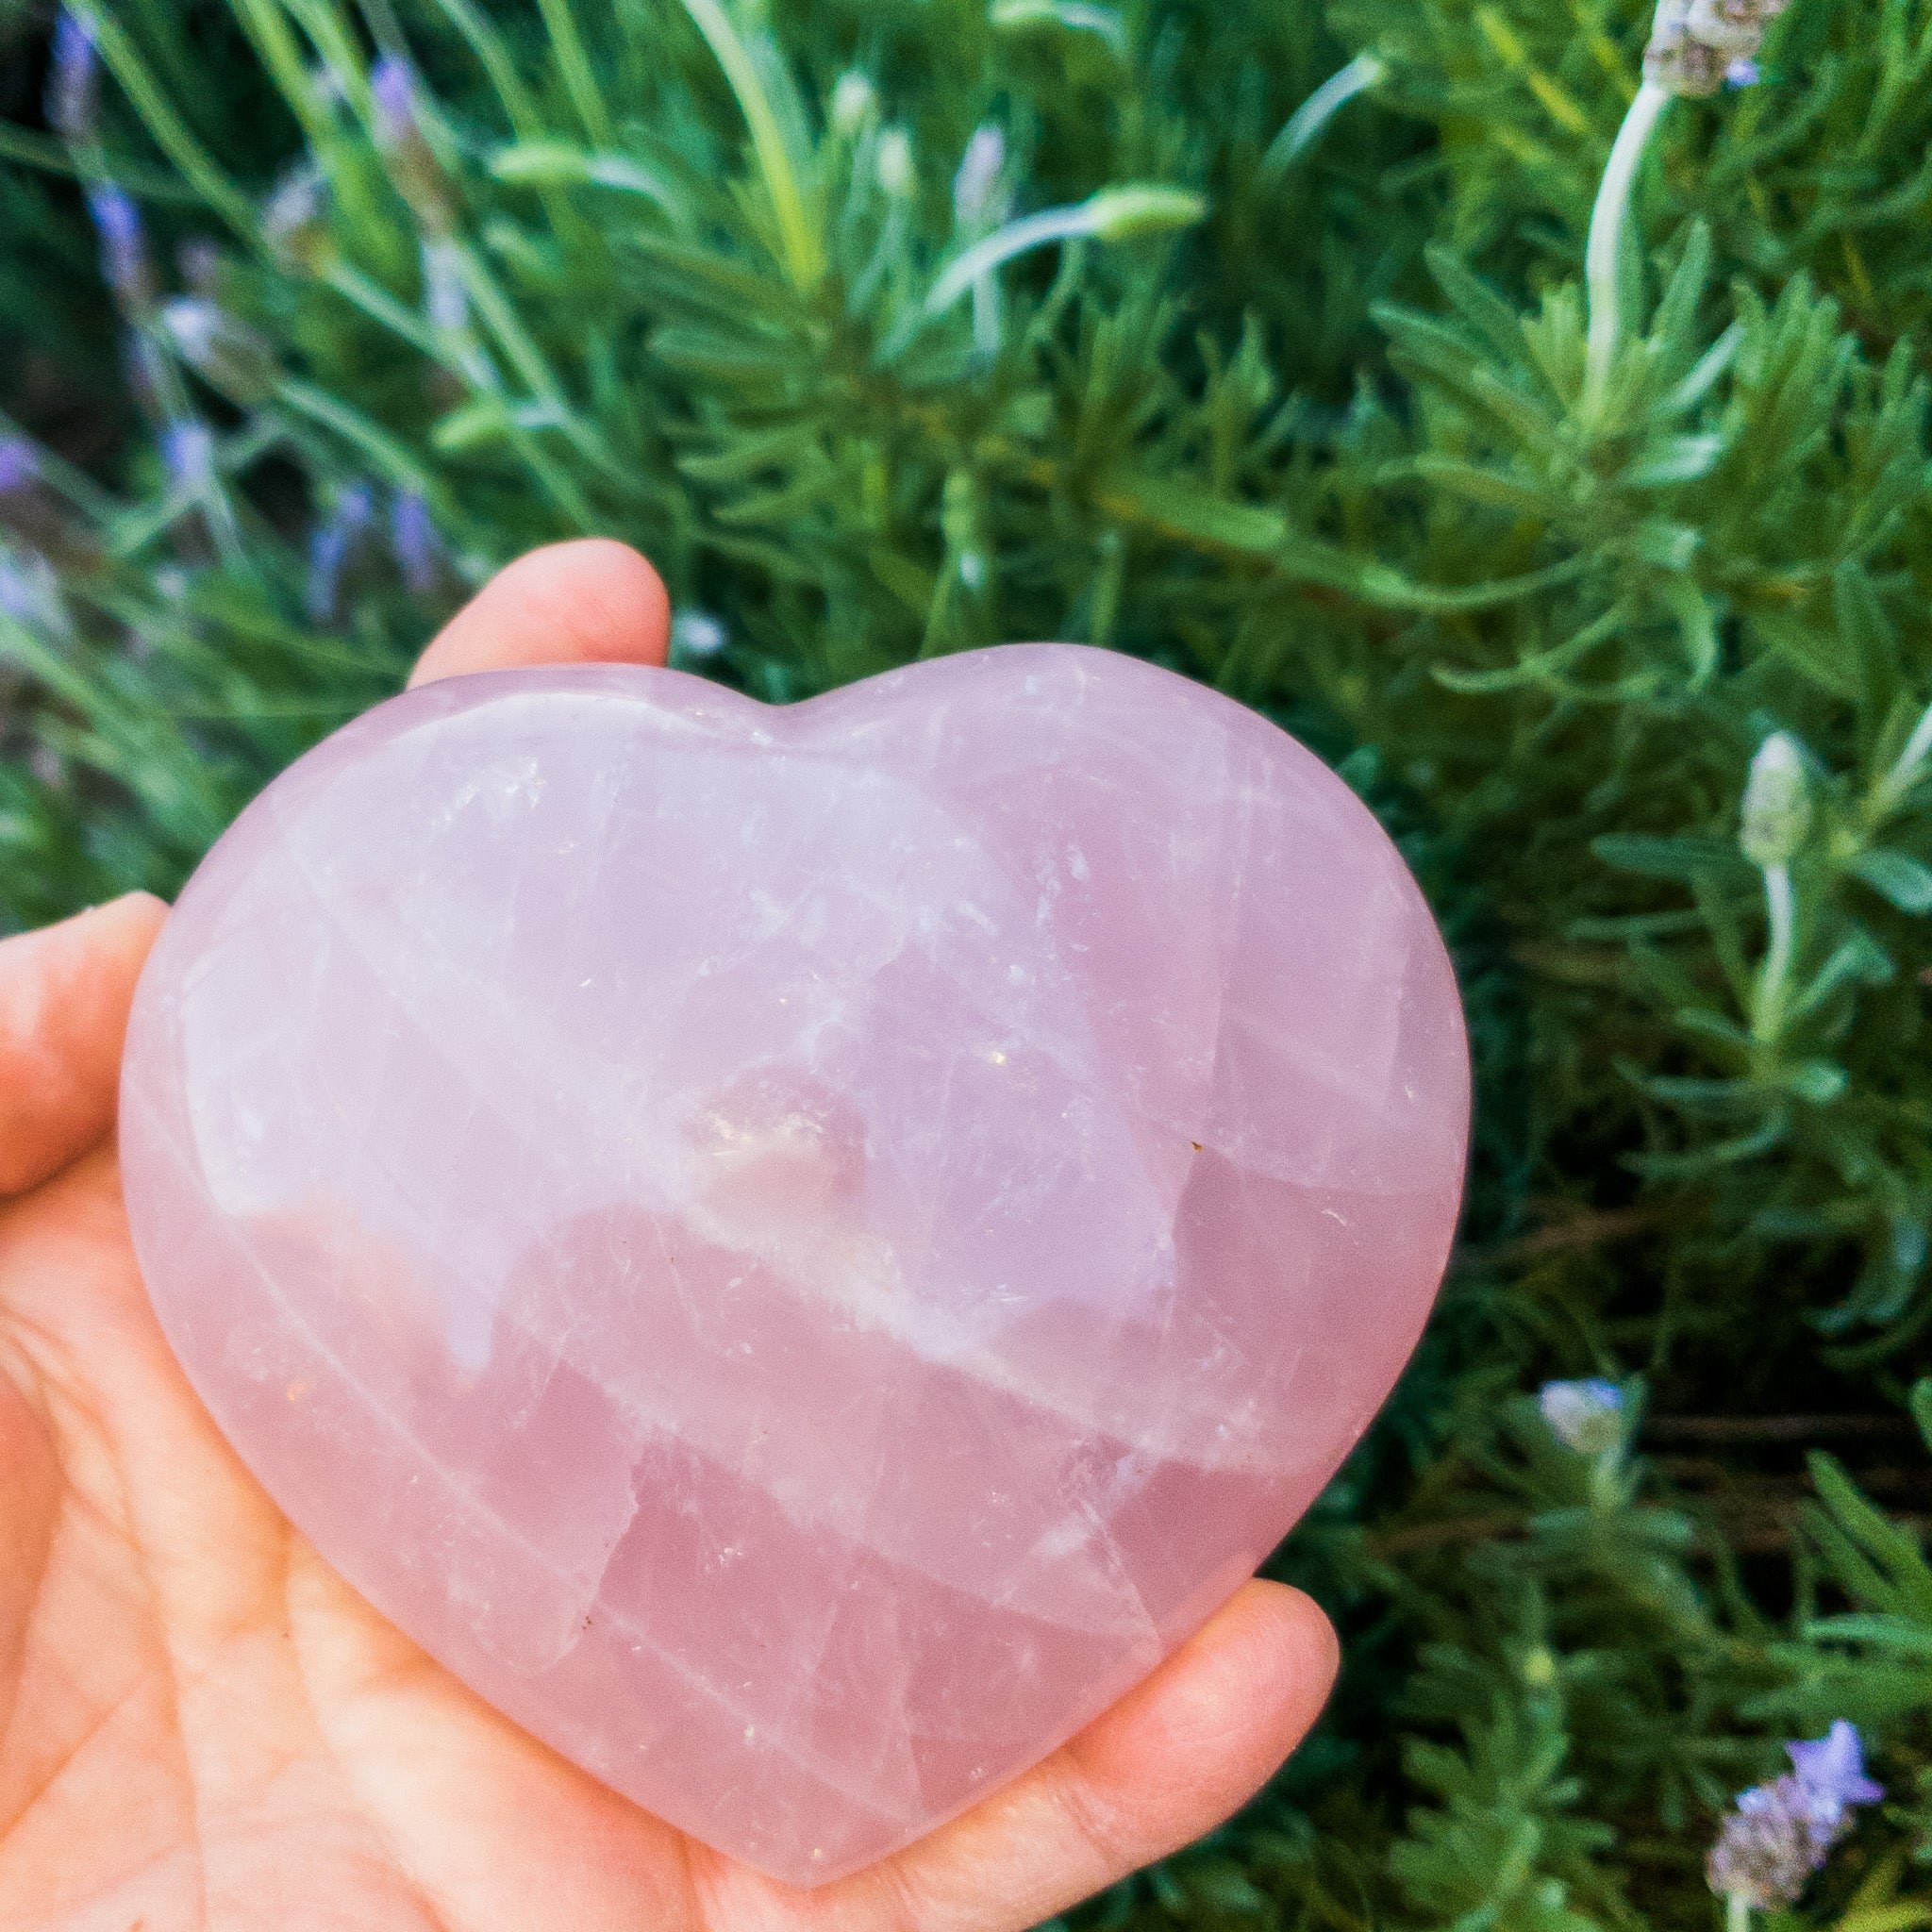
[
  {"x": 1173, "y": 1760},
  {"x": 589, "y": 602},
  {"x": 1169, "y": 1761},
  {"x": 64, "y": 993}
]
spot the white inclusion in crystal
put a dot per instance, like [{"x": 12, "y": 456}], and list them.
[
  {"x": 1076, "y": 863},
  {"x": 471, "y": 1331}
]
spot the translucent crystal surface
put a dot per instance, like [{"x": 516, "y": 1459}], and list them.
[{"x": 798, "y": 1252}]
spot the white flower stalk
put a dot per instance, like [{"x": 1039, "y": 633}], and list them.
[
  {"x": 981, "y": 203},
  {"x": 1695, "y": 47},
  {"x": 1075, "y": 16},
  {"x": 1114, "y": 214},
  {"x": 1776, "y": 818},
  {"x": 1304, "y": 127}
]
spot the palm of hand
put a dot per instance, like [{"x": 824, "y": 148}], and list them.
[{"x": 201, "y": 1725}]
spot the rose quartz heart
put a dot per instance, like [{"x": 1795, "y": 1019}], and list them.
[{"x": 799, "y": 1252}]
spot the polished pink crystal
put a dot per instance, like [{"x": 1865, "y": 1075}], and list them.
[{"x": 798, "y": 1252}]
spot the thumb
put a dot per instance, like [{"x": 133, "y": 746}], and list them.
[{"x": 589, "y": 602}]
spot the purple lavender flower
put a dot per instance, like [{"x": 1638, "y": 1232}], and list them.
[
  {"x": 74, "y": 80},
  {"x": 1784, "y": 1831},
  {"x": 20, "y": 464},
  {"x": 1585, "y": 1416},
  {"x": 329, "y": 548},
  {"x": 1697, "y": 45},
  {"x": 187, "y": 449},
  {"x": 1832, "y": 1769},
  {"x": 124, "y": 245},
  {"x": 392, "y": 87},
  {"x": 413, "y": 535},
  {"x": 399, "y": 133}
]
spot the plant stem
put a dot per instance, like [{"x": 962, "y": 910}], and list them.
[
  {"x": 805, "y": 257},
  {"x": 1781, "y": 913},
  {"x": 1736, "y": 1912},
  {"x": 1604, "y": 250},
  {"x": 1137, "y": 208},
  {"x": 574, "y": 64}
]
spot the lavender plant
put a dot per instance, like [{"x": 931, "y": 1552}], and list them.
[{"x": 1525, "y": 402}]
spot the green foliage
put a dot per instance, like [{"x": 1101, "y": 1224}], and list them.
[{"x": 1306, "y": 419}]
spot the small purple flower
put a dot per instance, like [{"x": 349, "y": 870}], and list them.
[
  {"x": 1742, "y": 73},
  {"x": 329, "y": 548},
  {"x": 400, "y": 134},
  {"x": 20, "y": 464},
  {"x": 392, "y": 87},
  {"x": 1586, "y": 1416},
  {"x": 1782, "y": 1832},
  {"x": 187, "y": 449},
  {"x": 412, "y": 534},
  {"x": 124, "y": 245},
  {"x": 73, "y": 78},
  {"x": 1832, "y": 1769}
]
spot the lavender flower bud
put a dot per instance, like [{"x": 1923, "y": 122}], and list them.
[
  {"x": 1586, "y": 1416},
  {"x": 74, "y": 80},
  {"x": 329, "y": 548},
  {"x": 393, "y": 92},
  {"x": 398, "y": 128},
  {"x": 413, "y": 535},
  {"x": 124, "y": 245},
  {"x": 1697, "y": 45},
  {"x": 294, "y": 222},
  {"x": 1777, "y": 803},
  {"x": 187, "y": 449},
  {"x": 20, "y": 464},
  {"x": 227, "y": 353},
  {"x": 854, "y": 101},
  {"x": 895, "y": 163},
  {"x": 1784, "y": 1831},
  {"x": 976, "y": 186}
]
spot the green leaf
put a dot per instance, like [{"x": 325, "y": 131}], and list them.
[{"x": 1906, "y": 881}]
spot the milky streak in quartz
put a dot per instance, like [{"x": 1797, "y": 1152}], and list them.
[{"x": 798, "y": 1252}]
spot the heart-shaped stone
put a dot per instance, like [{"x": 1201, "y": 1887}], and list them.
[{"x": 798, "y": 1252}]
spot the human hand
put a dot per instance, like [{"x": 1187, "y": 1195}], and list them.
[{"x": 202, "y": 1727}]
